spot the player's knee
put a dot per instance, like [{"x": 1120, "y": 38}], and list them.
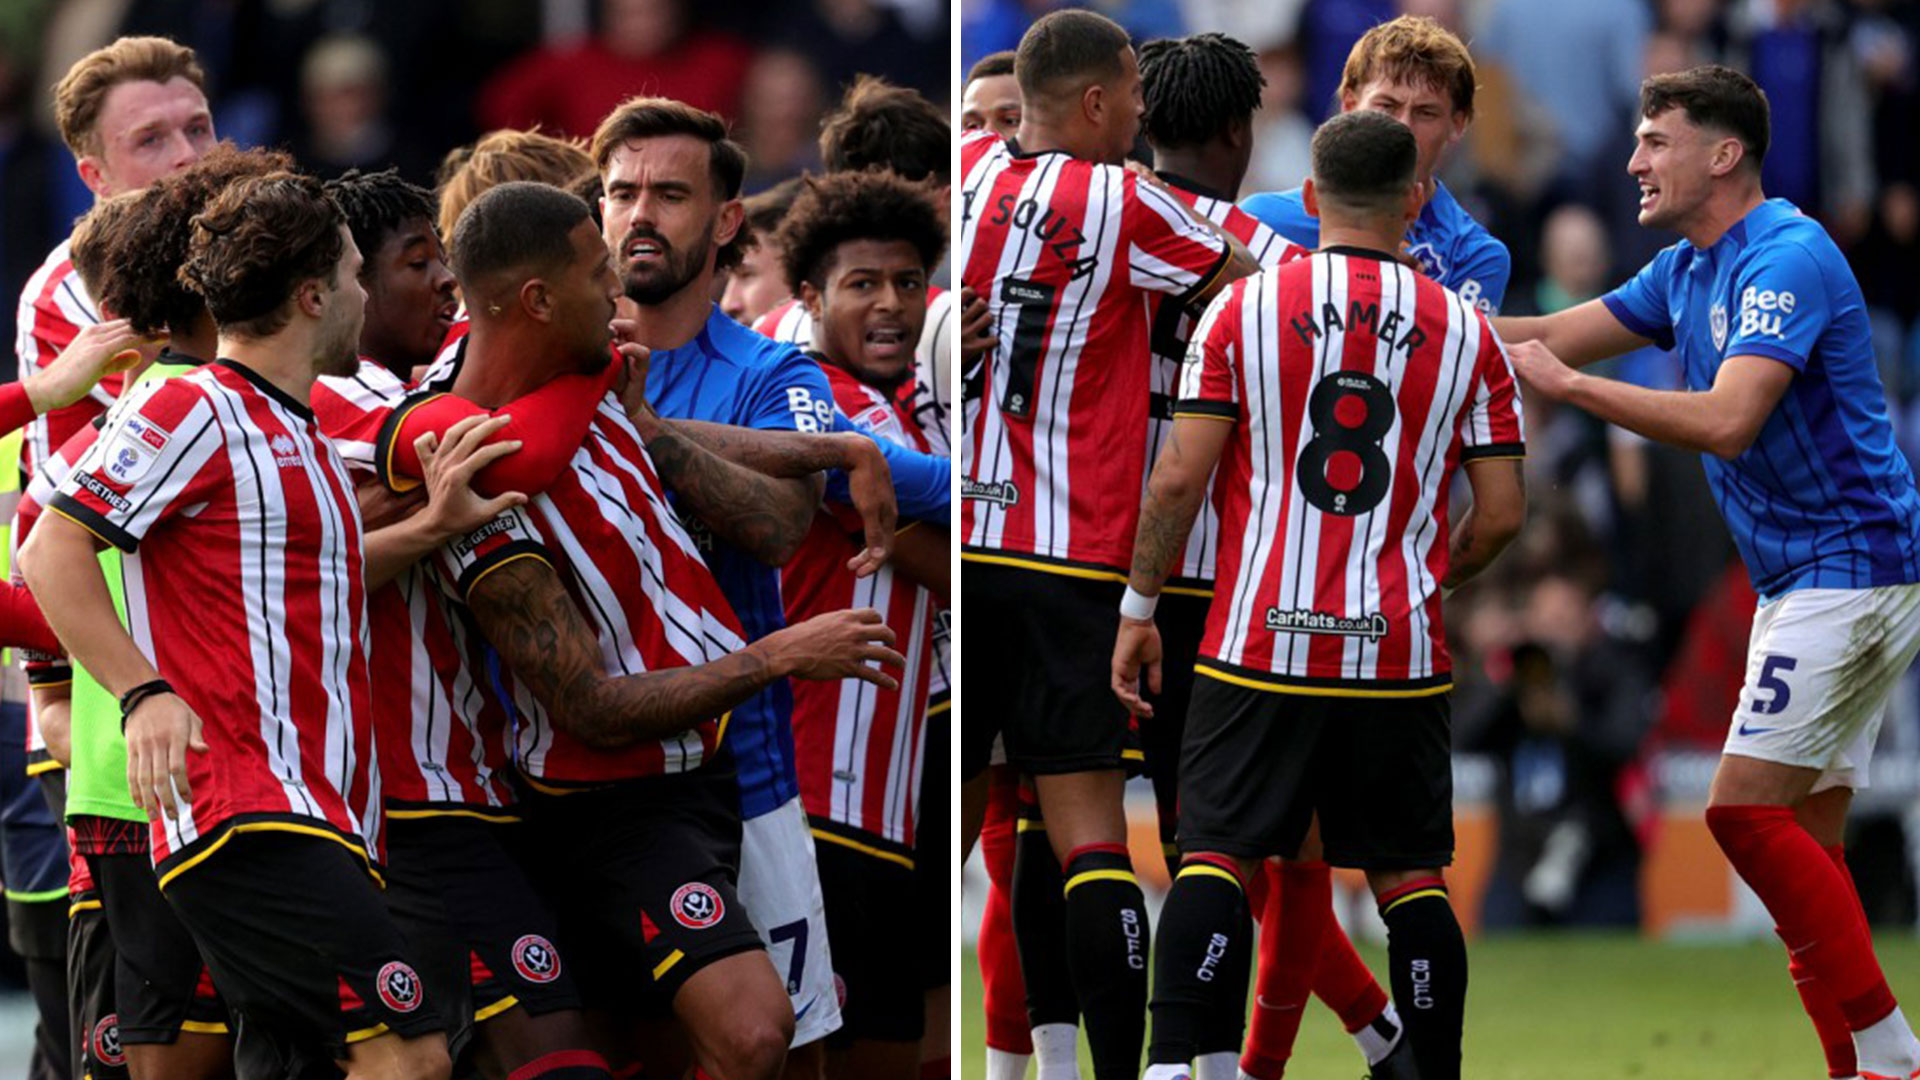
[{"x": 756, "y": 1047}]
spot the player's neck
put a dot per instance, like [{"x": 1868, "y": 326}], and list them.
[
  {"x": 1038, "y": 137},
  {"x": 498, "y": 365},
  {"x": 1359, "y": 234},
  {"x": 199, "y": 341},
  {"x": 1214, "y": 170},
  {"x": 1722, "y": 212},
  {"x": 676, "y": 320},
  {"x": 284, "y": 360}
]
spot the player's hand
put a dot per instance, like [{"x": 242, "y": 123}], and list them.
[
  {"x": 1137, "y": 647},
  {"x": 447, "y": 469},
  {"x": 1546, "y": 373},
  {"x": 162, "y": 730},
  {"x": 630, "y": 385},
  {"x": 380, "y": 507},
  {"x": 977, "y": 338},
  {"x": 870, "y": 486},
  {"x": 99, "y": 350},
  {"x": 837, "y": 645}
]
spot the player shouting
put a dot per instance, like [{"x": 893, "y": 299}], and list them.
[
  {"x": 1339, "y": 396},
  {"x": 1784, "y": 403}
]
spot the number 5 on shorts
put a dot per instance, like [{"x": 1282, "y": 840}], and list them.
[{"x": 1771, "y": 682}]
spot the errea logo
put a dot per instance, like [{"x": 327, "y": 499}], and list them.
[
  {"x": 1764, "y": 311},
  {"x": 286, "y": 452}
]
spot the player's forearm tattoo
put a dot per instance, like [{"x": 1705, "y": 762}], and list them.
[
  {"x": 763, "y": 516},
  {"x": 787, "y": 454},
  {"x": 1165, "y": 520},
  {"x": 526, "y": 614}
]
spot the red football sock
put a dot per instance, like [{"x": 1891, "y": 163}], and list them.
[
  {"x": 1293, "y": 922},
  {"x": 1836, "y": 1042},
  {"x": 1811, "y": 902},
  {"x": 1345, "y": 983},
  {"x": 1003, "y": 993}
]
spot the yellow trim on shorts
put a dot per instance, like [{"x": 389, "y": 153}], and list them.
[
  {"x": 39, "y": 768},
  {"x": 1045, "y": 568},
  {"x": 864, "y": 849},
  {"x": 1413, "y": 896},
  {"x": 1029, "y": 825},
  {"x": 1179, "y": 415},
  {"x": 1209, "y": 870},
  {"x": 79, "y": 906},
  {"x": 720, "y": 731},
  {"x": 205, "y": 1027},
  {"x": 366, "y": 1033},
  {"x": 1319, "y": 691},
  {"x": 1181, "y": 590},
  {"x": 270, "y": 826},
  {"x": 502, "y": 818},
  {"x": 495, "y": 1009},
  {"x": 1099, "y": 875},
  {"x": 945, "y": 706},
  {"x": 666, "y": 965}
]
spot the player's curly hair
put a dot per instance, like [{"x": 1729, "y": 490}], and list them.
[
  {"x": 1195, "y": 85},
  {"x": 143, "y": 252},
  {"x": 838, "y": 207},
  {"x": 255, "y": 243},
  {"x": 503, "y": 156},
  {"x": 880, "y": 125},
  {"x": 92, "y": 242},
  {"x": 376, "y": 206}
]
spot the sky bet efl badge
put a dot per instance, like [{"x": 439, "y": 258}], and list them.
[{"x": 135, "y": 447}]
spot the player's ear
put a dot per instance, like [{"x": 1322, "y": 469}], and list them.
[
  {"x": 92, "y": 175},
  {"x": 536, "y": 299},
  {"x": 311, "y": 297},
  {"x": 1310, "y": 198},
  {"x": 1727, "y": 156},
  {"x": 732, "y": 214},
  {"x": 1093, "y": 103},
  {"x": 1416, "y": 201},
  {"x": 813, "y": 300}
]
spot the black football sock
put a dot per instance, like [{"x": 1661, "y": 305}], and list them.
[
  {"x": 1200, "y": 970},
  {"x": 1040, "y": 928},
  {"x": 1428, "y": 960},
  {"x": 1107, "y": 949},
  {"x": 1225, "y": 1030}
]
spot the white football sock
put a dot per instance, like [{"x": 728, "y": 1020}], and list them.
[
  {"x": 1168, "y": 1072},
  {"x": 1888, "y": 1047},
  {"x": 1006, "y": 1065},
  {"x": 1380, "y": 1036},
  {"x": 1056, "y": 1052},
  {"x": 1219, "y": 1065}
]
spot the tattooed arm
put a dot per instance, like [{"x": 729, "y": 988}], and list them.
[
  {"x": 1175, "y": 493},
  {"x": 1499, "y": 510},
  {"x": 765, "y": 516},
  {"x": 527, "y": 615}
]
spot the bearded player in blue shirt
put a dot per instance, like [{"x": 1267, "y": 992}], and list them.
[
  {"x": 1785, "y": 405},
  {"x": 670, "y": 213},
  {"x": 1418, "y": 72}
]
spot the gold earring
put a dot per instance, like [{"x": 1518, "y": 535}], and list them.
[{"x": 493, "y": 309}]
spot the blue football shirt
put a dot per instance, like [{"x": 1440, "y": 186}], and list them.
[
  {"x": 730, "y": 375},
  {"x": 1451, "y": 247},
  {"x": 1823, "y": 497}
]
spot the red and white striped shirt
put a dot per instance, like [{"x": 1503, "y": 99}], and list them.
[
  {"x": 1173, "y": 324},
  {"x": 638, "y": 580},
  {"x": 859, "y": 748},
  {"x": 441, "y": 733},
  {"x": 927, "y": 397},
  {"x": 1356, "y": 388},
  {"x": 1066, "y": 253},
  {"x": 54, "y": 308},
  {"x": 243, "y": 583}
]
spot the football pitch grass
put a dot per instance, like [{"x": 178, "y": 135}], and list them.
[{"x": 1590, "y": 1007}]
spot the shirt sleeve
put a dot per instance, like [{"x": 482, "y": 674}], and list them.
[
  {"x": 922, "y": 483},
  {"x": 1285, "y": 213},
  {"x": 1494, "y": 426},
  {"x": 1641, "y": 303},
  {"x": 1168, "y": 250},
  {"x": 158, "y": 454},
  {"x": 550, "y": 422},
  {"x": 1210, "y": 376},
  {"x": 1482, "y": 279},
  {"x": 461, "y": 563},
  {"x": 791, "y": 395},
  {"x": 1779, "y": 307}
]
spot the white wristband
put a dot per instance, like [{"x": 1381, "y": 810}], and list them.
[{"x": 1135, "y": 605}]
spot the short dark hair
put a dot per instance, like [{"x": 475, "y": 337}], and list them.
[
  {"x": 990, "y": 65},
  {"x": 377, "y": 205},
  {"x": 839, "y": 207},
  {"x": 255, "y": 242},
  {"x": 1065, "y": 50},
  {"x": 1714, "y": 97},
  {"x": 1364, "y": 160},
  {"x": 520, "y": 226},
  {"x": 882, "y": 125},
  {"x": 768, "y": 209},
  {"x": 139, "y": 275},
  {"x": 1195, "y": 85},
  {"x": 650, "y": 117}
]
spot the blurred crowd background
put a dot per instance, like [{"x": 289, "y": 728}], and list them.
[
  {"x": 1599, "y": 662},
  {"x": 371, "y": 83}
]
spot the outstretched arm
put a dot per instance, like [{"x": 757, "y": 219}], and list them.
[
  {"x": 526, "y": 613},
  {"x": 1723, "y": 421},
  {"x": 1580, "y": 335}
]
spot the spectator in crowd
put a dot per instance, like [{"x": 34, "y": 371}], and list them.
[
  {"x": 1282, "y": 132},
  {"x": 846, "y": 38},
  {"x": 640, "y": 47},
  {"x": 780, "y": 112},
  {"x": 343, "y": 92}
]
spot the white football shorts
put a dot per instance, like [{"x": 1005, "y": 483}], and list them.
[{"x": 780, "y": 887}]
